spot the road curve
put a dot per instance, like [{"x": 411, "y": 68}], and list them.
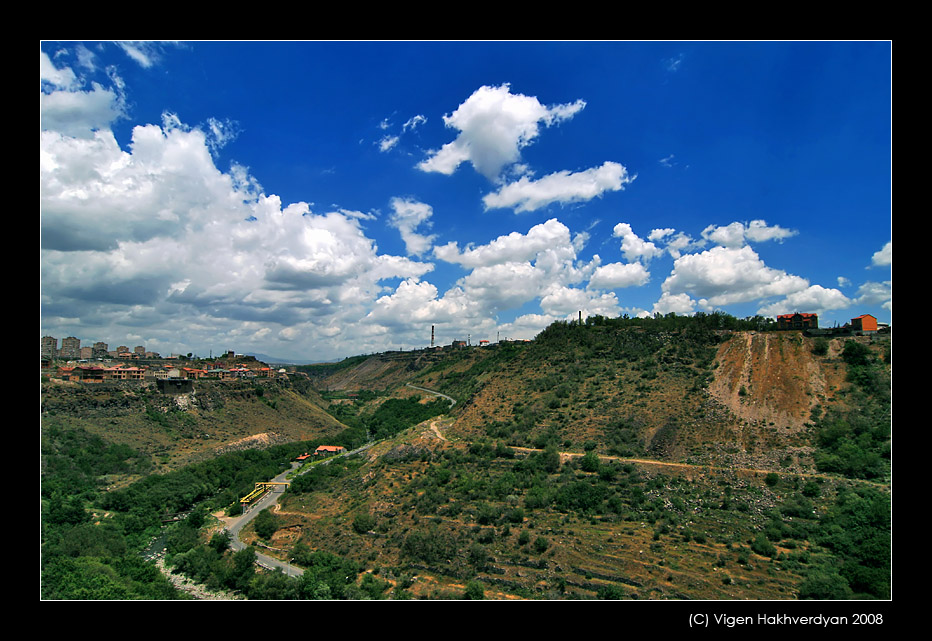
[
  {"x": 430, "y": 391},
  {"x": 235, "y": 525}
]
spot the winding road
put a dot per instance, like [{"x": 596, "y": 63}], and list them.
[
  {"x": 234, "y": 525},
  {"x": 430, "y": 391}
]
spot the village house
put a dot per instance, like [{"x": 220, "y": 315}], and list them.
[
  {"x": 864, "y": 323},
  {"x": 328, "y": 450},
  {"x": 798, "y": 321},
  {"x": 90, "y": 374}
]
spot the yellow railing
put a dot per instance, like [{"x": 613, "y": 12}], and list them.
[{"x": 261, "y": 488}]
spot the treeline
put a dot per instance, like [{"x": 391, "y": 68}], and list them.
[
  {"x": 687, "y": 338},
  {"x": 672, "y": 322}
]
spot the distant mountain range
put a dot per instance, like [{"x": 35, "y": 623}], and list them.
[{"x": 274, "y": 360}]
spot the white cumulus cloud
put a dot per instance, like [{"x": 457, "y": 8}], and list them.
[
  {"x": 407, "y": 215},
  {"x": 632, "y": 246},
  {"x": 737, "y": 234},
  {"x": 563, "y": 187},
  {"x": 619, "y": 275},
  {"x": 493, "y": 126},
  {"x": 723, "y": 275}
]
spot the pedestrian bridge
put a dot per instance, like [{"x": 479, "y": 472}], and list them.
[{"x": 258, "y": 492}]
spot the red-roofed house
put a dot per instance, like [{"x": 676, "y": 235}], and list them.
[
  {"x": 326, "y": 450},
  {"x": 798, "y": 321},
  {"x": 125, "y": 373}
]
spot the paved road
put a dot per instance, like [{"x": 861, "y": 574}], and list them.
[
  {"x": 430, "y": 391},
  {"x": 235, "y": 526}
]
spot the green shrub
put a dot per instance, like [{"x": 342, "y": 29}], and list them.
[{"x": 363, "y": 522}]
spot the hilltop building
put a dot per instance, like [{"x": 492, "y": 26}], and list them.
[
  {"x": 864, "y": 323},
  {"x": 798, "y": 321}
]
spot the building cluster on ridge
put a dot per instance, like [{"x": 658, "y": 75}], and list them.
[
  {"x": 96, "y": 364},
  {"x": 863, "y": 324}
]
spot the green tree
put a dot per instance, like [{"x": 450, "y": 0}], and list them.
[
  {"x": 474, "y": 591},
  {"x": 824, "y": 586},
  {"x": 220, "y": 542},
  {"x": 590, "y": 462},
  {"x": 244, "y": 569},
  {"x": 363, "y": 522},
  {"x": 266, "y": 523}
]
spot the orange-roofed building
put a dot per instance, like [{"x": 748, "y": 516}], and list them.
[{"x": 324, "y": 450}]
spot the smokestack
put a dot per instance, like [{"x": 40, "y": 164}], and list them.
[
  {"x": 432, "y": 336},
  {"x": 580, "y": 318}
]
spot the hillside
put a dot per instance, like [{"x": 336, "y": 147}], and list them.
[
  {"x": 178, "y": 429},
  {"x": 667, "y": 459},
  {"x": 673, "y": 454},
  {"x": 729, "y": 398}
]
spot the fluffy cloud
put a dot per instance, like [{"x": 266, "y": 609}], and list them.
[
  {"x": 407, "y": 215},
  {"x": 552, "y": 236},
  {"x": 619, "y": 275},
  {"x": 632, "y": 246},
  {"x": 563, "y": 187},
  {"x": 884, "y": 257},
  {"x": 873, "y": 293},
  {"x": 65, "y": 107},
  {"x": 151, "y": 235},
  {"x": 680, "y": 304},
  {"x": 494, "y": 125},
  {"x": 516, "y": 268},
  {"x": 724, "y": 276},
  {"x": 386, "y": 143},
  {"x": 417, "y": 303},
  {"x": 569, "y": 301},
  {"x": 812, "y": 299},
  {"x": 737, "y": 234}
]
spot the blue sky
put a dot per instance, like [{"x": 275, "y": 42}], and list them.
[{"x": 316, "y": 200}]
